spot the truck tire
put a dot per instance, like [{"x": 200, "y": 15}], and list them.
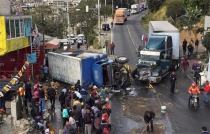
[{"x": 122, "y": 59}]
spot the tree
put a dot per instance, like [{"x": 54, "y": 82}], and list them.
[
  {"x": 190, "y": 18},
  {"x": 154, "y": 5},
  {"x": 54, "y": 26},
  {"x": 201, "y": 4},
  {"x": 206, "y": 41},
  {"x": 175, "y": 9}
]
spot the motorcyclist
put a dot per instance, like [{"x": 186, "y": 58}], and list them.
[{"x": 193, "y": 90}]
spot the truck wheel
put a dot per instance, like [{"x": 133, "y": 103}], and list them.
[{"x": 121, "y": 59}]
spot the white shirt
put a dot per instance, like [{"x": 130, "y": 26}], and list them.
[
  {"x": 78, "y": 94},
  {"x": 72, "y": 122},
  {"x": 47, "y": 131},
  {"x": 64, "y": 90}
]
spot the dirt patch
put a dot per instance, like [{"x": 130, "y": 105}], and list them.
[
  {"x": 158, "y": 127},
  {"x": 134, "y": 107}
]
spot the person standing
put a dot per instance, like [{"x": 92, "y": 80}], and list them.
[
  {"x": 77, "y": 86},
  {"x": 172, "y": 82},
  {"x": 148, "y": 118},
  {"x": 196, "y": 45},
  {"x": 28, "y": 91},
  {"x": 46, "y": 69},
  {"x": 185, "y": 65},
  {"x": 41, "y": 97},
  {"x": 194, "y": 66},
  {"x": 145, "y": 41},
  {"x": 112, "y": 24},
  {"x": 87, "y": 122},
  {"x": 112, "y": 46},
  {"x": 184, "y": 46},
  {"x": 206, "y": 91},
  {"x": 62, "y": 100},
  {"x": 65, "y": 115},
  {"x": 204, "y": 130},
  {"x": 197, "y": 75},
  {"x": 51, "y": 94}
]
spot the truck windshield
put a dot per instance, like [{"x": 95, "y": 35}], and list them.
[
  {"x": 149, "y": 57},
  {"x": 133, "y": 8}
]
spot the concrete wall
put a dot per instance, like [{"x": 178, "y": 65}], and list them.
[{"x": 5, "y": 7}]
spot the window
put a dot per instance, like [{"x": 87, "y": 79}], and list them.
[
  {"x": 12, "y": 28},
  {"x": 17, "y": 28},
  {"x": 22, "y": 30},
  {"x": 8, "y": 29}
]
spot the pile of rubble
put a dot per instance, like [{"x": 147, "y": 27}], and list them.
[
  {"x": 6, "y": 126},
  {"x": 23, "y": 126}
]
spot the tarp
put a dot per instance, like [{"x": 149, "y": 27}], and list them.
[
  {"x": 53, "y": 44},
  {"x": 31, "y": 58}
]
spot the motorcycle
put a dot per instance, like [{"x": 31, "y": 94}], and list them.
[{"x": 194, "y": 101}]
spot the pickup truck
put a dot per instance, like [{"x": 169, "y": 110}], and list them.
[
  {"x": 160, "y": 55},
  {"x": 96, "y": 68}
]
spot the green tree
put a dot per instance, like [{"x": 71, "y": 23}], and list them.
[
  {"x": 190, "y": 18},
  {"x": 55, "y": 24},
  {"x": 206, "y": 41},
  {"x": 201, "y": 4},
  {"x": 154, "y": 5},
  {"x": 175, "y": 9},
  {"x": 106, "y": 10}
]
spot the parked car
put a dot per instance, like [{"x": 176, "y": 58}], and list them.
[
  {"x": 81, "y": 39},
  {"x": 105, "y": 27}
]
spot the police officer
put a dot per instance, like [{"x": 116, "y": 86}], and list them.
[{"x": 172, "y": 82}]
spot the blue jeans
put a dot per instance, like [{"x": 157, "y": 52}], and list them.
[
  {"x": 112, "y": 51},
  {"x": 206, "y": 97},
  {"x": 185, "y": 70},
  {"x": 42, "y": 106}
]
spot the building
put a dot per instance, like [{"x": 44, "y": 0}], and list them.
[
  {"x": 4, "y": 7},
  {"x": 15, "y": 37}
]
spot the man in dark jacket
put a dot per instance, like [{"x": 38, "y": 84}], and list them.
[
  {"x": 87, "y": 122},
  {"x": 28, "y": 91},
  {"x": 41, "y": 97},
  {"x": 51, "y": 94},
  {"x": 69, "y": 129},
  {"x": 148, "y": 118},
  {"x": 184, "y": 46},
  {"x": 172, "y": 82},
  {"x": 197, "y": 75}
]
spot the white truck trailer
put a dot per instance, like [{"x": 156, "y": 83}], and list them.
[{"x": 135, "y": 9}]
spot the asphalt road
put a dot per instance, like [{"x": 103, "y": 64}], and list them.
[{"x": 179, "y": 118}]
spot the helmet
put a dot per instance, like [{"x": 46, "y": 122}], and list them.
[{"x": 193, "y": 84}]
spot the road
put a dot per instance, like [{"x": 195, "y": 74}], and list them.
[{"x": 179, "y": 118}]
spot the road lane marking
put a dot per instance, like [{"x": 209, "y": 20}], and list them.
[{"x": 132, "y": 39}]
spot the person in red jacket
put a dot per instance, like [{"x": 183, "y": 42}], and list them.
[
  {"x": 192, "y": 91},
  {"x": 185, "y": 65},
  {"x": 206, "y": 91}
]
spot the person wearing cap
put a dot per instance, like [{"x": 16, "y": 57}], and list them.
[
  {"x": 193, "y": 90},
  {"x": 206, "y": 91},
  {"x": 94, "y": 90}
]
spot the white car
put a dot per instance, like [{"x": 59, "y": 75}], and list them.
[{"x": 81, "y": 39}]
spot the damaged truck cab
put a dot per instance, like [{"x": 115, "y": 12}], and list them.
[{"x": 160, "y": 55}]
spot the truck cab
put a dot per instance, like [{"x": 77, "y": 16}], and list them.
[{"x": 155, "y": 60}]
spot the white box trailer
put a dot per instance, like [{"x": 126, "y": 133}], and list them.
[
  {"x": 135, "y": 9},
  {"x": 69, "y": 67},
  {"x": 166, "y": 28}
]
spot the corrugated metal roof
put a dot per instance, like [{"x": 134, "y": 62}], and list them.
[{"x": 159, "y": 26}]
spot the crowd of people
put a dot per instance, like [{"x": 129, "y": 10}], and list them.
[
  {"x": 84, "y": 110},
  {"x": 190, "y": 46}
]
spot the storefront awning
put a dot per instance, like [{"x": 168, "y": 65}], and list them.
[{"x": 53, "y": 44}]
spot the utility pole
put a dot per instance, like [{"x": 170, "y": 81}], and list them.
[
  {"x": 43, "y": 32},
  {"x": 99, "y": 23},
  {"x": 112, "y": 7},
  {"x": 68, "y": 19},
  {"x": 105, "y": 3}
]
